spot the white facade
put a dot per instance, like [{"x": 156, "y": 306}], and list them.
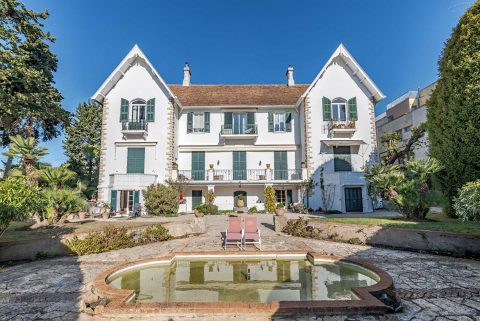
[{"x": 238, "y": 139}]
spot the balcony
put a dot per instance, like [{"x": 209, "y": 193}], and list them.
[
  {"x": 345, "y": 178},
  {"x": 229, "y": 131},
  {"x": 131, "y": 181},
  {"x": 246, "y": 175},
  {"x": 342, "y": 127},
  {"x": 135, "y": 127}
]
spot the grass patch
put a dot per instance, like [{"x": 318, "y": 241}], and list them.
[
  {"x": 434, "y": 222},
  {"x": 22, "y": 231}
]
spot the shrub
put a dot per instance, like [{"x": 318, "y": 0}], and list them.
[
  {"x": 207, "y": 209},
  {"x": 300, "y": 208},
  {"x": 270, "y": 199},
  {"x": 467, "y": 204},
  {"x": 280, "y": 205},
  {"x": 115, "y": 238},
  {"x": 253, "y": 209},
  {"x": 63, "y": 201},
  {"x": 155, "y": 233},
  {"x": 111, "y": 238},
  {"x": 300, "y": 228},
  {"x": 161, "y": 200}
]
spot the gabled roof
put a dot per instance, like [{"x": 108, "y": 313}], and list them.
[
  {"x": 130, "y": 59},
  {"x": 357, "y": 71},
  {"x": 238, "y": 95}
]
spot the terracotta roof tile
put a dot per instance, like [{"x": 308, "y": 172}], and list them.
[{"x": 231, "y": 95}]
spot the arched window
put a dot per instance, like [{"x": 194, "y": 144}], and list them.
[
  {"x": 138, "y": 110},
  {"x": 339, "y": 109}
]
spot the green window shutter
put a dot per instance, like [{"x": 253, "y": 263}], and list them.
[
  {"x": 136, "y": 198},
  {"x": 206, "y": 119},
  {"x": 251, "y": 121},
  {"x": 288, "y": 121},
  {"x": 124, "y": 110},
  {"x": 198, "y": 166},
  {"x": 151, "y": 110},
  {"x": 228, "y": 121},
  {"x": 327, "y": 108},
  {"x": 189, "y": 122},
  {"x": 270, "y": 122},
  {"x": 136, "y": 160},
  {"x": 239, "y": 165},
  {"x": 352, "y": 109},
  {"x": 280, "y": 165},
  {"x": 113, "y": 200}
]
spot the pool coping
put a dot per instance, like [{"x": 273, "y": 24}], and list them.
[{"x": 367, "y": 303}]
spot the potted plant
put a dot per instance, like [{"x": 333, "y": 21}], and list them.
[
  {"x": 240, "y": 202},
  {"x": 280, "y": 210},
  {"x": 82, "y": 214},
  {"x": 197, "y": 211},
  {"x": 105, "y": 210},
  {"x": 268, "y": 165},
  {"x": 210, "y": 165},
  {"x": 174, "y": 166},
  {"x": 303, "y": 165}
]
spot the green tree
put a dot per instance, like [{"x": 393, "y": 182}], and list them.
[
  {"x": 57, "y": 177},
  {"x": 28, "y": 151},
  {"x": 18, "y": 201},
  {"x": 454, "y": 108},
  {"x": 29, "y": 102},
  {"x": 82, "y": 144}
]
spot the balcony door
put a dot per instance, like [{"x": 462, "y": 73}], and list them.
[
  {"x": 280, "y": 165},
  {"x": 239, "y": 165},
  {"x": 198, "y": 166}
]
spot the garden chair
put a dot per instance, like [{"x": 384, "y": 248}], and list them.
[
  {"x": 252, "y": 233},
  {"x": 234, "y": 233}
]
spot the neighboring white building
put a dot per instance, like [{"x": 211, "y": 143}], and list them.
[
  {"x": 404, "y": 113},
  {"x": 238, "y": 139}
]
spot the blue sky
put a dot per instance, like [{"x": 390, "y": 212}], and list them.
[{"x": 246, "y": 41}]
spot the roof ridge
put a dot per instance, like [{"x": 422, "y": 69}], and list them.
[{"x": 207, "y": 85}]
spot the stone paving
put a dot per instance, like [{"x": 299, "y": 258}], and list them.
[{"x": 434, "y": 288}]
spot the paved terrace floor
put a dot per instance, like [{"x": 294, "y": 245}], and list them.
[{"x": 435, "y": 288}]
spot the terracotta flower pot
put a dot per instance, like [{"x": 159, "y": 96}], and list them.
[
  {"x": 82, "y": 215},
  {"x": 197, "y": 213},
  {"x": 240, "y": 203},
  {"x": 280, "y": 211},
  {"x": 105, "y": 215}
]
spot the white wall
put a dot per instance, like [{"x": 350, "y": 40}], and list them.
[
  {"x": 136, "y": 83},
  {"x": 337, "y": 81}
]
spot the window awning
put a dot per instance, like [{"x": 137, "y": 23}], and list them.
[{"x": 342, "y": 142}]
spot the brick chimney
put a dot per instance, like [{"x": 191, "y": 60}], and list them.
[
  {"x": 289, "y": 73},
  {"x": 186, "y": 75}
]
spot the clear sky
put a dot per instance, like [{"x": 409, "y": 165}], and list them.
[{"x": 246, "y": 41}]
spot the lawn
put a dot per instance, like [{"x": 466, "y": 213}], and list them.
[
  {"x": 22, "y": 231},
  {"x": 434, "y": 222}
]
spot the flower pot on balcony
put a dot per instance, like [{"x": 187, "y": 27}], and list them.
[
  {"x": 210, "y": 165},
  {"x": 268, "y": 165},
  {"x": 175, "y": 166},
  {"x": 303, "y": 165}
]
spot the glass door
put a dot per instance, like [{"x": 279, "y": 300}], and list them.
[{"x": 239, "y": 123}]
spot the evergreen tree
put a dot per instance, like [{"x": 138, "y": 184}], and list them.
[
  {"x": 454, "y": 108},
  {"x": 82, "y": 144},
  {"x": 29, "y": 102}
]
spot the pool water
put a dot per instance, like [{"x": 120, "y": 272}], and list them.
[{"x": 263, "y": 280}]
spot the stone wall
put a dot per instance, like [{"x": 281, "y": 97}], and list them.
[{"x": 56, "y": 246}]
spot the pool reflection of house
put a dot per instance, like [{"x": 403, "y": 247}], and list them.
[{"x": 255, "y": 281}]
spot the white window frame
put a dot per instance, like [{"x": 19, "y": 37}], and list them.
[
  {"x": 277, "y": 121},
  {"x": 195, "y": 127},
  {"x": 336, "y": 105},
  {"x": 138, "y": 106}
]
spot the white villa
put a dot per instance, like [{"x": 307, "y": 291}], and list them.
[{"x": 238, "y": 139}]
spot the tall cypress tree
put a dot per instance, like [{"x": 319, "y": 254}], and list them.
[
  {"x": 453, "y": 121},
  {"x": 29, "y": 102},
  {"x": 82, "y": 144}
]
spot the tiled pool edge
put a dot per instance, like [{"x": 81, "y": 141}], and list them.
[{"x": 367, "y": 302}]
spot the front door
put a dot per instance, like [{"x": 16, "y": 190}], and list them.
[
  {"x": 353, "y": 199},
  {"x": 239, "y": 165},
  {"x": 196, "y": 198}
]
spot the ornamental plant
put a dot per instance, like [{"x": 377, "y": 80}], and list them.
[
  {"x": 467, "y": 204},
  {"x": 161, "y": 200},
  {"x": 270, "y": 199}
]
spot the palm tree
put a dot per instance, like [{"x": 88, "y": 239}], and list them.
[
  {"x": 29, "y": 153},
  {"x": 56, "y": 177}
]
